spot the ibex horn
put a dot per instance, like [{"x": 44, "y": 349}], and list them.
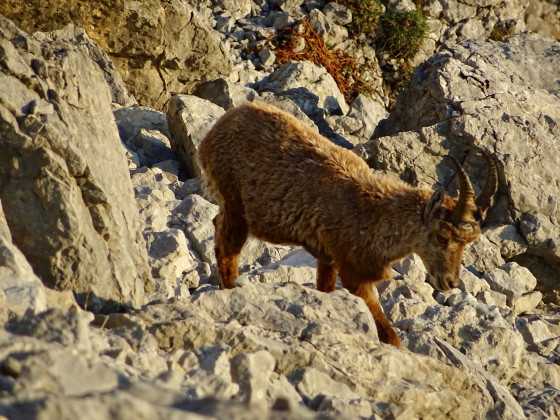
[
  {"x": 466, "y": 207},
  {"x": 484, "y": 199}
]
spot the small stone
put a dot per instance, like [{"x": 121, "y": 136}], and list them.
[
  {"x": 266, "y": 33},
  {"x": 537, "y": 229},
  {"x": 348, "y": 124},
  {"x": 359, "y": 407},
  {"x": 11, "y": 367},
  {"x": 282, "y": 20},
  {"x": 61, "y": 299},
  {"x": 6, "y": 385},
  {"x": 237, "y": 35},
  {"x": 66, "y": 327},
  {"x": 490, "y": 297},
  {"x": 255, "y": 45},
  {"x": 154, "y": 145},
  {"x": 468, "y": 282},
  {"x": 148, "y": 363},
  {"x": 337, "y": 13},
  {"x": 267, "y": 57},
  {"x": 456, "y": 296},
  {"x": 251, "y": 37},
  {"x": 167, "y": 243},
  {"x": 190, "y": 118},
  {"x": 319, "y": 22},
  {"x": 252, "y": 372},
  {"x": 172, "y": 169},
  {"x": 512, "y": 280},
  {"x": 483, "y": 255},
  {"x": 411, "y": 266},
  {"x": 197, "y": 214},
  {"x": 299, "y": 44},
  {"x": 533, "y": 332},
  {"x": 224, "y": 22},
  {"x": 312, "y": 383},
  {"x": 190, "y": 186},
  {"x": 369, "y": 112},
  {"x": 509, "y": 240},
  {"x": 224, "y": 93},
  {"x": 526, "y": 302},
  {"x": 298, "y": 266},
  {"x": 336, "y": 36},
  {"x": 238, "y": 9}
]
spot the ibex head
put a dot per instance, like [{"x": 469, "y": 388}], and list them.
[{"x": 452, "y": 225}]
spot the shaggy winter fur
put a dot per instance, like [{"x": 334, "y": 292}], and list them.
[{"x": 279, "y": 180}]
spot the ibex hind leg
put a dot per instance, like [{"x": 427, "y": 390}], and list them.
[
  {"x": 231, "y": 234},
  {"x": 326, "y": 277},
  {"x": 364, "y": 290}
]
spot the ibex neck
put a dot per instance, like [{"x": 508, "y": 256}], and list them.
[{"x": 393, "y": 217}]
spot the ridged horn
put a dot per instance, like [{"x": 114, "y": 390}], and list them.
[
  {"x": 466, "y": 208},
  {"x": 484, "y": 199}
]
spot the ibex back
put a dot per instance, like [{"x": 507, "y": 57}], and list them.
[{"x": 276, "y": 178}]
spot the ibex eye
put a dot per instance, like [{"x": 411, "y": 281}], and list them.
[{"x": 442, "y": 239}]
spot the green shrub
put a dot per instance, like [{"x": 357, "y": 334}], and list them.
[
  {"x": 403, "y": 33},
  {"x": 365, "y": 15},
  {"x": 502, "y": 30}
]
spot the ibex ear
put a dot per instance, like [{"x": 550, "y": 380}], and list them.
[{"x": 433, "y": 204}]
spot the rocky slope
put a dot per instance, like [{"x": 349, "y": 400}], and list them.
[{"x": 108, "y": 299}]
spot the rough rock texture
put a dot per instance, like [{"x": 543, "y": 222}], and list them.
[
  {"x": 224, "y": 93},
  {"x": 273, "y": 340},
  {"x": 64, "y": 186},
  {"x": 313, "y": 77},
  {"x": 195, "y": 215},
  {"x": 190, "y": 118},
  {"x": 21, "y": 290},
  {"x": 543, "y": 17},
  {"x": 478, "y": 19},
  {"x": 158, "y": 47},
  {"x": 481, "y": 95},
  {"x": 274, "y": 347}
]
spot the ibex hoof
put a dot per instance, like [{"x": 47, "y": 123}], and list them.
[
  {"x": 394, "y": 341},
  {"x": 390, "y": 337}
]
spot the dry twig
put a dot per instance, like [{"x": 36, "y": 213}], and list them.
[{"x": 340, "y": 65}]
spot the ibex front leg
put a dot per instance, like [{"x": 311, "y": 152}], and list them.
[
  {"x": 231, "y": 234},
  {"x": 364, "y": 290},
  {"x": 326, "y": 276}
]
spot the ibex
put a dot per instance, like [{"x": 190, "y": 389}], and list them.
[{"x": 276, "y": 178}]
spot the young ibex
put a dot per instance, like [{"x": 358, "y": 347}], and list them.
[{"x": 276, "y": 178}]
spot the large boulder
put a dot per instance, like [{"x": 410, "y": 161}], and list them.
[
  {"x": 158, "y": 47},
  {"x": 64, "y": 183},
  {"x": 501, "y": 98},
  {"x": 21, "y": 291},
  {"x": 190, "y": 118},
  {"x": 314, "y": 77}
]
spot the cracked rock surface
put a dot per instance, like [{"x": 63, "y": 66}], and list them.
[
  {"x": 102, "y": 208},
  {"x": 65, "y": 189}
]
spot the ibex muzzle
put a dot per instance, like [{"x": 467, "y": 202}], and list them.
[{"x": 452, "y": 230}]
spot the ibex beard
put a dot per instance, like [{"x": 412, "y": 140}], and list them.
[{"x": 280, "y": 181}]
